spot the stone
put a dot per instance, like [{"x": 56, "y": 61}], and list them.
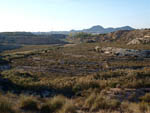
[
  {"x": 126, "y": 52},
  {"x": 97, "y": 49},
  {"x": 136, "y": 41}
]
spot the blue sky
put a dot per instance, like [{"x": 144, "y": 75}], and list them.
[{"x": 50, "y": 15}]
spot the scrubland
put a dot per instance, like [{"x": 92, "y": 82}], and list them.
[{"x": 74, "y": 79}]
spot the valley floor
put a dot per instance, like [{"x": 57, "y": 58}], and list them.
[{"x": 74, "y": 79}]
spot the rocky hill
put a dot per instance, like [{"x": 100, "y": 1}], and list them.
[
  {"x": 126, "y": 35},
  {"x": 140, "y": 36}
]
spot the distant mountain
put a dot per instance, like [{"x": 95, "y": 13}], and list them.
[
  {"x": 95, "y": 29},
  {"x": 101, "y": 30}
]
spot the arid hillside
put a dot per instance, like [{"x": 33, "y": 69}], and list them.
[
  {"x": 104, "y": 74},
  {"x": 122, "y": 35}
]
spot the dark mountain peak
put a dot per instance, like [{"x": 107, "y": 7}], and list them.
[
  {"x": 94, "y": 29},
  {"x": 125, "y": 28},
  {"x": 97, "y": 27}
]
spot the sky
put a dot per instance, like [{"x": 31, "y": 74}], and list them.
[{"x": 59, "y": 15}]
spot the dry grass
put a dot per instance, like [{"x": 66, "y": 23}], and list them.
[
  {"x": 68, "y": 108},
  {"x": 29, "y": 103},
  {"x": 53, "y": 105},
  {"x": 6, "y": 106},
  {"x": 87, "y": 91},
  {"x": 96, "y": 102},
  {"x": 146, "y": 97},
  {"x": 58, "y": 104}
]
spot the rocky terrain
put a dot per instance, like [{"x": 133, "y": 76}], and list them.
[
  {"x": 143, "y": 40},
  {"x": 124, "y": 52},
  {"x": 126, "y": 35},
  {"x": 95, "y": 73}
]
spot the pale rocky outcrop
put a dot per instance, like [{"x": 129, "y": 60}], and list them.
[
  {"x": 125, "y": 52},
  {"x": 144, "y": 40},
  {"x": 134, "y": 42},
  {"x": 97, "y": 49},
  {"x": 147, "y": 36}
]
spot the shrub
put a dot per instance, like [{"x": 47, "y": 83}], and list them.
[
  {"x": 132, "y": 97},
  {"x": 57, "y": 102},
  {"x": 90, "y": 100},
  {"x": 143, "y": 106},
  {"x": 29, "y": 103},
  {"x": 85, "y": 85},
  {"x": 114, "y": 104},
  {"x": 96, "y": 102},
  {"x": 125, "y": 107},
  {"x": 6, "y": 106},
  {"x": 53, "y": 105},
  {"x": 146, "y": 97},
  {"x": 113, "y": 84},
  {"x": 99, "y": 103},
  {"x": 68, "y": 108},
  {"x": 46, "y": 108}
]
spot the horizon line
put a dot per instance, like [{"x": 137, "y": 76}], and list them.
[{"x": 71, "y": 29}]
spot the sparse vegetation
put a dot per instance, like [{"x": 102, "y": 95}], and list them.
[
  {"x": 146, "y": 97},
  {"x": 6, "y": 106},
  {"x": 77, "y": 73},
  {"x": 68, "y": 108},
  {"x": 96, "y": 102},
  {"x": 143, "y": 107},
  {"x": 28, "y": 103},
  {"x": 58, "y": 104}
]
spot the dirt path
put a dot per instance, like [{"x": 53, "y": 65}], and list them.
[{"x": 69, "y": 45}]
